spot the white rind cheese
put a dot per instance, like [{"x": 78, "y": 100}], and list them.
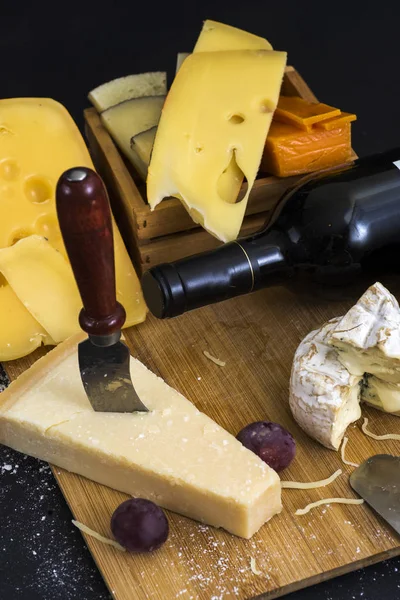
[
  {"x": 368, "y": 336},
  {"x": 174, "y": 455},
  {"x": 324, "y": 396}
]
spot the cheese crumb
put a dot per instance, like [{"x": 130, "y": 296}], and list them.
[
  {"x": 253, "y": 566},
  {"x": 387, "y": 436},
  {"x": 346, "y": 462},
  {"x": 298, "y": 485},
  {"x": 306, "y": 509},
  {"x": 97, "y": 536},
  {"x": 217, "y": 361}
]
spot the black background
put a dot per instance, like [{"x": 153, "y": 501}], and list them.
[{"x": 349, "y": 55}]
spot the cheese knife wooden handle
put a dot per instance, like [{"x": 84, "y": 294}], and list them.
[{"x": 85, "y": 221}]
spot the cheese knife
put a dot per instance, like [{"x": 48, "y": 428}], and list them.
[
  {"x": 377, "y": 480},
  {"x": 85, "y": 221}
]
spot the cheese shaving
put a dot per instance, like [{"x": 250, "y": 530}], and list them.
[
  {"x": 387, "y": 436},
  {"x": 253, "y": 566},
  {"x": 97, "y": 536},
  {"x": 217, "y": 361},
  {"x": 298, "y": 485},
  {"x": 306, "y": 509},
  {"x": 343, "y": 448}
]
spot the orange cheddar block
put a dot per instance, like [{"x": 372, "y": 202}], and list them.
[
  {"x": 293, "y": 110},
  {"x": 292, "y": 151},
  {"x": 336, "y": 122}
]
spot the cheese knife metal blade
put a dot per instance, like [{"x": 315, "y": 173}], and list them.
[
  {"x": 85, "y": 221},
  {"x": 377, "y": 480}
]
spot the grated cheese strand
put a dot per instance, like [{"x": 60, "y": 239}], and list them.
[
  {"x": 217, "y": 361},
  {"x": 306, "y": 509},
  {"x": 97, "y": 536},
  {"x": 387, "y": 436},
  {"x": 253, "y": 566},
  {"x": 299, "y": 485},
  {"x": 343, "y": 448}
]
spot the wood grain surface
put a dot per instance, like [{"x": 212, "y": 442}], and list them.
[{"x": 256, "y": 335}]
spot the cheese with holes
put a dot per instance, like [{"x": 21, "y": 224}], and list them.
[
  {"x": 216, "y": 37},
  {"x": 33, "y": 260},
  {"x": 38, "y": 141},
  {"x": 367, "y": 338},
  {"x": 324, "y": 397},
  {"x": 174, "y": 455},
  {"x": 216, "y": 115}
]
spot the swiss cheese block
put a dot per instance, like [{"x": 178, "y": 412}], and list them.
[
  {"x": 217, "y": 36},
  {"x": 174, "y": 455},
  {"x": 20, "y": 333},
  {"x": 217, "y": 114},
  {"x": 33, "y": 260},
  {"x": 38, "y": 141}
]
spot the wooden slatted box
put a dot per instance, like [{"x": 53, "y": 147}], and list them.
[{"x": 168, "y": 233}]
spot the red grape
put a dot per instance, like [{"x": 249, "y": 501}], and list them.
[
  {"x": 139, "y": 525},
  {"x": 271, "y": 442}
]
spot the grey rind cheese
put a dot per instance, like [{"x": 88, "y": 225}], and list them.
[{"x": 324, "y": 397}]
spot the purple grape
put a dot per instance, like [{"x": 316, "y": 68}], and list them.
[
  {"x": 271, "y": 442},
  {"x": 139, "y": 525}
]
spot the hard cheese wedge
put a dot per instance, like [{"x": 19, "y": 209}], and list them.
[
  {"x": 33, "y": 260},
  {"x": 20, "y": 333},
  {"x": 219, "y": 109},
  {"x": 173, "y": 455},
  {"x": 125, "y": 88},
  {"x": 126, "y": 120},
  {"x": 217, "y": 36},
  {"x": 38, "y": 141}
]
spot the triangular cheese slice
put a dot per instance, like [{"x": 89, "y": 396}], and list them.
[
  {"x": 212, "y": 130},
  {"x": 174, "y": 455}
]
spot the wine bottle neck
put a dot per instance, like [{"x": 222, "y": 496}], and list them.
[{"x": 232, "y": 270}]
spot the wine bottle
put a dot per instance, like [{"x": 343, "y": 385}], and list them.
[{"x": 330, "y": 226}]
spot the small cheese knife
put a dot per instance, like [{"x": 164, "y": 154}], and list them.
[
  {"x": 377, "y": 480},
  {"x": 85, "y": 221}
]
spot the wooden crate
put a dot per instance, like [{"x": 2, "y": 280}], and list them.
[{"x": 168, "y": 233}]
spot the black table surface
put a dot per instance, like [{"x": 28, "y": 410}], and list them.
[{"x": 349, "y": 55}]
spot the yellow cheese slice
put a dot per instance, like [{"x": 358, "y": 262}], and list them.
[
  {"x": 20, "y": 333},
  {"x": 38, "y": 141},
  {"x": 217, "y": 113},
  {"x": 43, "y": 281},
  {"x": 174, "y": 455},
  {"x": 217, "y": 36}
]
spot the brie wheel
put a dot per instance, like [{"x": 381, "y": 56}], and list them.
[
  {"x": 367, "y": 338},
  {"x": 324, "y": 397}
]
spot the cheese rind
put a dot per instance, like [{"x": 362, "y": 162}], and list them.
[
  {"x": 367, "y": 338},
  {"x": 324, "y": 397},
  {"x": 125, "y": 88},
  {"x": 174, "y": 455},
  {"x": 208, "y": 119},
  {"x": 215, "y": 37}
]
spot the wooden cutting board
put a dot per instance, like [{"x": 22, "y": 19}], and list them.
[{"x": 256, "y": 335}]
